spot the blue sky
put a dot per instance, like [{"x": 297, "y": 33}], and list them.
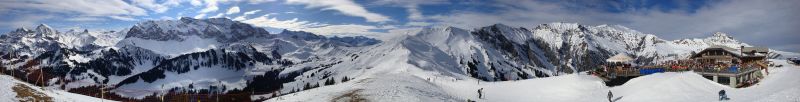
[{"x": 770, "y": 23}]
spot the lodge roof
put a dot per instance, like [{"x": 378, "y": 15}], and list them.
[
  {"x": 735, "y": 52},
  {"x": 619, "y": 58},
  {"x": 732, "y": 51}
]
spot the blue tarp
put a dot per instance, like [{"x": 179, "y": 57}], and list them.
[
  {"x": 650, "y": 71},
  {"x": 733, "y": 69}
]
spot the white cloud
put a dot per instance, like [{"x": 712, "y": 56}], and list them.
[
  {"x": 418, "y": 24},
  {"x": 233, "y": 10},
  {"x": 251, "y": 12},
  {"x": 412, "y": 6},
  {"x": 124, "y": 18},
  {"x": 350, "y": 30},
  {"x": 414, "y": 13},
  {"x": 82, "y": 7},
  {"x": 200, "y": 16},
  {"x": 24, "y": 20},
  {"x": 211, "y": 6},
  {"x": 83, "y": 19},
  {"x": 178, "y": 2},
  {"x": 345, "y": 29},
  {"x": 293, "y": 24},
  {"x": 239, "y": 18},
  {"x": 346, "y": 7},
  {"x": 195, "y": 2},
  {"x": 152, "y": 5},
  {"x": 217, "y": 16},
  {"x": 260, "y": 1},
  {"x": 314, "y": 27},
  {"x": 245, "y": 14},
  {"x": 167, "y": 18}
]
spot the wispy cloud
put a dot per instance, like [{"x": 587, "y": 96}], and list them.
[
  {"x": 293, "y": 24},
  {"x": 244, "y": 15},
  {"x": 412, "y": 6},
  {"x": 233, "y": 10},
  {"x": 24, "y": 20},
  {"x": 152, "y": 5},
  {"x": 124, "y": 18},
  {"x": 199, "y": 16},
  {"x": 82, "y": 7},
  {"x": 346, "y": 7},
  {"x": 344, "y": 29},
  {"x": 83, "y": 19},
  {"x": 218, "y": 15},
  {"x": 166, "y": 18},
  {"x": 315, "y": 27},
  {"x": 251, "y": 12},
  {"x": 211, "y": 6}
]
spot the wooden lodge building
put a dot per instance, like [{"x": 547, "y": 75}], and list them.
[
  {"x": 729, "y": 66},
  {"x": 727, "y": 55},
  {"x": 724, "y": 65}
]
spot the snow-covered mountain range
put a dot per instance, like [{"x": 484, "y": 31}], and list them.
[{"x": 219, "y": 55}]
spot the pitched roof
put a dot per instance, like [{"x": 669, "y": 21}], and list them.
[
  {"x": 732, "y": 51},
  {"x": 755, "y": 49},
  {"x": 619, "y": 58}
]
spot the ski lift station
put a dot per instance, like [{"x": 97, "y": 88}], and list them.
[{"x": 724, "y": 65}]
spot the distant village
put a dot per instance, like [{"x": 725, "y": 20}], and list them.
[{"x": 727, "y": 66}]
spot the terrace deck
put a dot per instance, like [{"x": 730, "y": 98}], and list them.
[{"x": 732, "y": 77}]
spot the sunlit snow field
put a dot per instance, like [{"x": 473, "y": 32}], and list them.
[{"x": 405, "y": 83}]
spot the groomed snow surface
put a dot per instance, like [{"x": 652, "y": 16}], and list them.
[{"x": 406, "y": 83}]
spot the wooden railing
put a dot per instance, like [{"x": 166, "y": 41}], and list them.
[{"x": 637, "y": 71}]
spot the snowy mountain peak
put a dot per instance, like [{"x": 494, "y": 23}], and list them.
[
  {"x": 720, "y": 36},
  {"x": 221, "y": 29},
  {"x": 44, "y": 29},
  {"x": 559, "y": 26},
  {"x": 501, "y": 26},
  {"x": 439, "y": 34},
  {"x": 617, "y": 28},
  {"x": 439, "y": 29},
  {"x": 722, "y": 39},
  {"x": 300, "y": 35},
  {"x": 21, "y": 30}
]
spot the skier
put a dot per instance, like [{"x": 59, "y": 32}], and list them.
[
  {"x": 610, "y": 96},
  {"x": 722, "y": 95},
  {"x": 480, "y": 93}
]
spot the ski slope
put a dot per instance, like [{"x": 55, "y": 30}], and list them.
[{"x": 405, "y": 83}]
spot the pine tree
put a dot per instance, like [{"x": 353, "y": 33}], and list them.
[
  {"x": 330, "y": 81},
  {"x": 307, "y": 86},
  {"x": 345, "y": 79}
]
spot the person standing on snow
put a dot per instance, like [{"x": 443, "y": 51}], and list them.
[
  {"x": 610, "y": 96},
  {"x": 480, "y": 93}
]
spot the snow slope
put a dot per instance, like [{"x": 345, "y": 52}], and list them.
[
  {"x": 407, "y": 84},
  {"x": 7, "y": 94},
  {"x": 172, "y": 48}
]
